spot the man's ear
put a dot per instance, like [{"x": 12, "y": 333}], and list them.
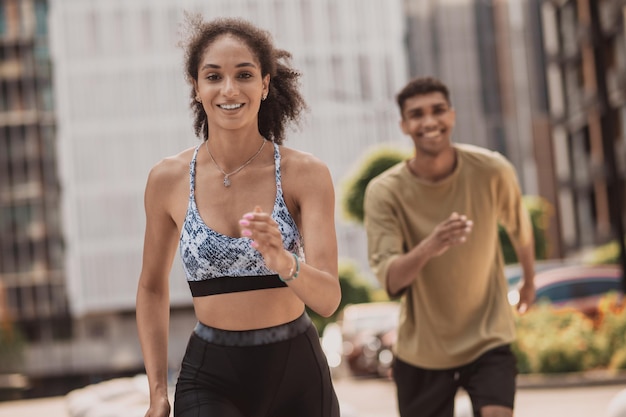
[{"x": 403, "y": 126}]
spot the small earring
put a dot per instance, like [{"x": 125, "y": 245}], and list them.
[
  {"x": 264, "y": 97},
  {"x": 198, "y": 99}
]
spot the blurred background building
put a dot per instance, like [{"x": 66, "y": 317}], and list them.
[
  {"x": 93, "y": 95},
  {"x": 31, "y": 237},
  {"x": 584, "y": 58}
]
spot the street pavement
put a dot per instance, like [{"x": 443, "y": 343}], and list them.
[{"x": 358, "y": 398}]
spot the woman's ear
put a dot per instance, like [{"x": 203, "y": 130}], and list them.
[
  {"x": 266, "y": 85},
  {"x": 195, "y": 89}
]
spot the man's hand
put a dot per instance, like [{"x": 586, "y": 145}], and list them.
[
  {"x": 526, "y": 296},
  {"x": 451, "y": 232}
]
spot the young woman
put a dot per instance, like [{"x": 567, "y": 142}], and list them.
[{"x": 240, "y": 207}]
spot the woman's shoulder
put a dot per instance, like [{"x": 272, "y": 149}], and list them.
[
  {"x": 303, "y": 171},
  {"x": 303, "y": 160},
  {"x": 172, "y": 168}
]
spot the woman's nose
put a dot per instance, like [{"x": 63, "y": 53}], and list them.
[{"x": 229, "y": 88}]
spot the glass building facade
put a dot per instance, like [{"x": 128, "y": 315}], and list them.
[{"x": 31, "y": 241}]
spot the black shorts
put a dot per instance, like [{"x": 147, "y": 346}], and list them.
[
  {"x": 489, "y": 380},
  {"x": 278, "y": 372}
]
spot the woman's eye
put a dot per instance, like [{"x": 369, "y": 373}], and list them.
[
  {"x": 212, "y": 77},
  {"x": 245, "y": 75}
]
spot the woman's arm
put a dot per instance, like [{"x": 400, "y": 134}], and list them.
[
  {"x": 308, "y": 184},
  {"x": 152, "y": 305}
]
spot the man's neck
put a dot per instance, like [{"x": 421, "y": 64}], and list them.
[{"x": 433, "y": 168}]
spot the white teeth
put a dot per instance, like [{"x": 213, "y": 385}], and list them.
[
  {"x": 230, "y": 106},
  {"x": 432, "y": 134}
]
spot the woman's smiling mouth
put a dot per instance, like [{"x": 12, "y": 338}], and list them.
[{"x": 230, "y": 106}]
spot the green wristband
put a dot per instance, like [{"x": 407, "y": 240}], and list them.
[{"x": 293, "y": 273}]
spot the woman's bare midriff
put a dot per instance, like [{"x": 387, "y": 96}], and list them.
[{"x": 248, "y": 310}]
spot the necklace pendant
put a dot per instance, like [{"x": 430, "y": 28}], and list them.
[{"x": 226, "y": 181}]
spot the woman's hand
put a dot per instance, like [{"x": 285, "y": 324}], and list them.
[
  {"x": 159, "y": 408},
  {"x": 267, "y": 239}
]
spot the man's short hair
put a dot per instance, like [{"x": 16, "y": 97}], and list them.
[{"x": 421, "y": 86}]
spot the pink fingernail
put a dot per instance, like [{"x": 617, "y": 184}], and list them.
[
  {"x": 248, "y": 216},
  {"x": 254, "y": 244},
  {"x": 244, "y": 222},
  {"x": 246, "y": 232}
]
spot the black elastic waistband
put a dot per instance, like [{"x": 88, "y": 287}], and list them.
[
  {"x": 223, "y": 285},
  {"x": 254, "y": 337}
]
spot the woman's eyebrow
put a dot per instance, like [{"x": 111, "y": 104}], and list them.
[{"x": 215, "y": 66}]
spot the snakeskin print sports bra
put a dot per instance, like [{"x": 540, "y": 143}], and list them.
[{"x": 215, "y": 263}]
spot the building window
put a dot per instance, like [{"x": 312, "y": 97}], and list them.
[
  {"x": 41, "y": 18},
  {"x": 3, "y": 24}
]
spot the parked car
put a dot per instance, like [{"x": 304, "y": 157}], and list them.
[
  {"x": 580, "y": 286},
  {"x": 513, "y": 272},
  {"x": 362, "y": 339}
]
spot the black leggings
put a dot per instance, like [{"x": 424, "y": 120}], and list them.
[{"x": 287, "y": 378}]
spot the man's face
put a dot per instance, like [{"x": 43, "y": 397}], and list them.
[{"x": 429, "y": 120}]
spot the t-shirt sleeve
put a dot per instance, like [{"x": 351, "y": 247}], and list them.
[
  {"x": 513, "y": 215},
  {"x": 384, "y": 234}
]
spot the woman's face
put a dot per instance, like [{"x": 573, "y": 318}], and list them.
[{"x": 230, "y": 84}]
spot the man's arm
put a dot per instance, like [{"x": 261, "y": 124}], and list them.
[
  {"x": 516, "y": 220},
  {"x": 405, "y": 268},
  {"x": 526, "y": 258}
]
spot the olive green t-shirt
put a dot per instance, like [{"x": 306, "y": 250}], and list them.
[{"x": 457, "y": 307}]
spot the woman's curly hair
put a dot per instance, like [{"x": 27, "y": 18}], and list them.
[{"x": 284, "y": 102}]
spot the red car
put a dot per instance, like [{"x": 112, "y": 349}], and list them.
[{"x": 580, "y": 287}]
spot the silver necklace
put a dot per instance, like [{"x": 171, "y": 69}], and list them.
[{"x": 227, "y": 175}]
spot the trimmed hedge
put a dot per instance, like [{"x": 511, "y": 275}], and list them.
[{"x": 553, "y": 340}]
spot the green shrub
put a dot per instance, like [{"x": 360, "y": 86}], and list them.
[
  {"x": 375, "y": 162},
  {"x": 12, "y": 345},
  {"x": 618, "y": 360},
  {"x": 354, "y": 289},
  {"x": 540, "y": 211},
  {"x": 523, "y": 360},
  {"x": 611, "y": 327},
  {"x": 550, "y": 341},
  {"x": 608, "y": 253}
]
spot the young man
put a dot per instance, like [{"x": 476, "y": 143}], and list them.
[{"x": 432, "y": 228}]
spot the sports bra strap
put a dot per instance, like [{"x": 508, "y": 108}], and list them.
[{"x": 192, "y": 172}]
